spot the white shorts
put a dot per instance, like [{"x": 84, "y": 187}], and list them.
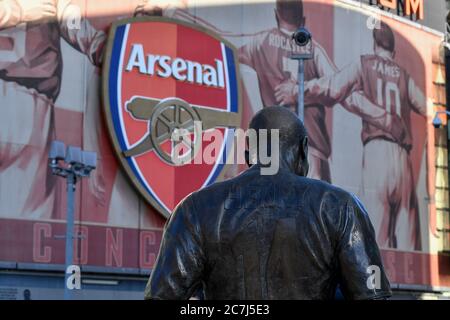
[
  {"x": 388, "y": 193},
  {"x": 26, "y": 185}
]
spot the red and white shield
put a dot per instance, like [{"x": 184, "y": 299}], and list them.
[{"x": 160, "y": 76}]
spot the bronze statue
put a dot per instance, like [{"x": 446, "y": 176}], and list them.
[{"x": 280, "y": 236}]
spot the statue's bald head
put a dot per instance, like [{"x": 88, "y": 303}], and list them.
[{"x": 293, "y": 138}]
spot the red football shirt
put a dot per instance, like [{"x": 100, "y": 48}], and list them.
[{"x": 268, "y": 53}]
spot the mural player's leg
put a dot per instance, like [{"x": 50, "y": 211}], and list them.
[
  {"x": 26, "y": 188},
  {"x": 407, "y": 224},
  {"x": 314, "y": 166},
  {"x": 325, "y": 172},
  {"x": 375, "y": 186},
  {"x": 318, "y": 166},
  {"x": 92, "y": 127}
]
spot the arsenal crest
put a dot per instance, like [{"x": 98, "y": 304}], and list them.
[{"x": 168, "y": 87}]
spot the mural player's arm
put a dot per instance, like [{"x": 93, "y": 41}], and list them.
[
  {"x": 180, "y": 264},
  {"x": 334, "y": 88},
  {"x": 362, "y": 274},
  {"x": 286, "y": 92},
  {"x": 417, "y": 98},
  {"x": 79, "y": 33},
  {"x": 249, "y": 74},
  {"x": 166, "y": 8},
  {"x": 247, "y": 52},
  {"x": 358, "y": 104},
  {"x": 14, "y": 12}
]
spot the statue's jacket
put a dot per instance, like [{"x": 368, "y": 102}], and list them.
[{"x": 279, "y": 236}]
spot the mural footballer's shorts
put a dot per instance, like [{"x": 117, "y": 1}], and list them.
[
  {"x": 26, "y": 184},
  {"x": 388, "y": 192}
]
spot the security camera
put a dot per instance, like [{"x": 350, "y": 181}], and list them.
[
  {"x": 302, "y": 37},
  {"x": 57, "y": 151},
  {"x": 437, "y": 122}
]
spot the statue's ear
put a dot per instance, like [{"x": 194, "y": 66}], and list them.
[
  {"x": 304, "y": 148},
  {"x": 247, "y": 158},
  {"x": 247, "y": 152},
  {"x": 302, "y": 161}
]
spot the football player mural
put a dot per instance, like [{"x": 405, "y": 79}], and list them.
[
  {"x": 31, "y": 66},
  {"x": 269, "y": 54},
  {"x": 366, "y": 110},
  {"x": 384, "y": 82},
  {"x": 31, "y": 74}
]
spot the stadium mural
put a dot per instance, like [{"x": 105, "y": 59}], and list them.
[{"x": 369, "y": 105}]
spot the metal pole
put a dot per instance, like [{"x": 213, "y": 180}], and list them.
[
  {"x": 301, "y": 90},
  {"x": 71, "y": 180}
]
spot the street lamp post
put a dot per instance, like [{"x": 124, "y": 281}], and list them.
[
  {"x": 303, "y": 39},
  {"x": 71, "y": 163}
]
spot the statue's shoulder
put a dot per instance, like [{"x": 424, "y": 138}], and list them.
[
  {"x": 213, "y": 193},
  {"x": 326, "y": 191}
]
